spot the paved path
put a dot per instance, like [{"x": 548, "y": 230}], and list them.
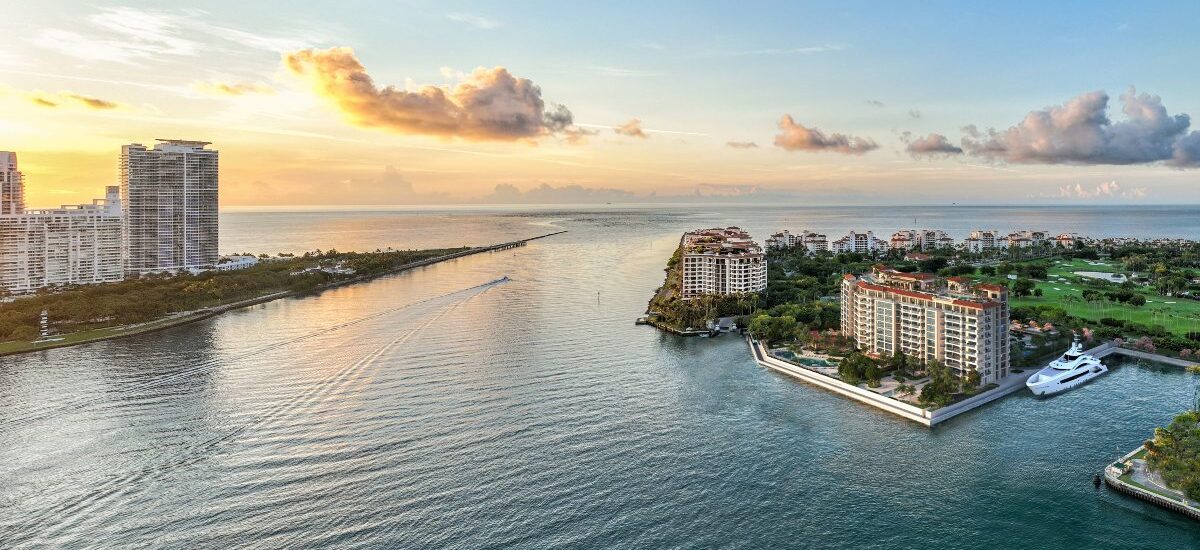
[{"x": 1144, "y": 476}]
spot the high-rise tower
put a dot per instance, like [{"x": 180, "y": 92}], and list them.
[
  {"x": 12, "y": 185},
  {"x": 169, "y": 200}
]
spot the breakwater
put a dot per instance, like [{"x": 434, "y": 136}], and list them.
[{"x": 183, "y": 318}]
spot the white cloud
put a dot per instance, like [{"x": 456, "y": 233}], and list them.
[
  {"x": 129, "y": 36},
  {"x": 788, "y": 51},
  {"x": 477, "y": 21},
  {"x": 623, "y": 72},
  {"x": 1106, "y": 190}
]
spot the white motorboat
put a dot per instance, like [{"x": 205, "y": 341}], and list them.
[{"x": 1072, "y": 369}]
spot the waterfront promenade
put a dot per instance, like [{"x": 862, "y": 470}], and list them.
[
  {"x": 1130, "y": 475},
  {"x": 1110, "y": 348}
]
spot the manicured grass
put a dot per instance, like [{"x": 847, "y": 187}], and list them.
[
  {"x": 1128, "y": 478},
  {"x": 93, "y": 335},
  {"x": 1179, "y": 317}
]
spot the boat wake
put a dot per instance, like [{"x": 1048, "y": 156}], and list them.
[
  {"x": 348, "y": 379},
  {"x": 85, "y": 403}
]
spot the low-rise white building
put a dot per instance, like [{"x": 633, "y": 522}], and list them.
[
  {"x": 721, "y": 261},
  {"x": 70, "y": 245},
  {"x": 810, "y": 241},
  {"x": 862, "y": 243},
  {"x": 920, "y": 239},
  {"x": 982, "y": 241},
  {"x": 234, "y": 263},
  {"x": 1026, "y": 239}
]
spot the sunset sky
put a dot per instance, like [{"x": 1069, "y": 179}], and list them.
[{"x": 351, "y": 103}]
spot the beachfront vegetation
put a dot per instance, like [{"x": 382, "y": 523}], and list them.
[
  {"x": 1174, "y": 453},
  {"x": 152, "y": 297}
]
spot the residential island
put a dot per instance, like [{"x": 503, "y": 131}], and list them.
[{"x": 927, "y": 328}]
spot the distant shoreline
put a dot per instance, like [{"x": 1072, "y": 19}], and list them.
[{"x": 183, "y": 318}]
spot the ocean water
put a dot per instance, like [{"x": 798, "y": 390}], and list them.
[{"x": 431, "y": 409}]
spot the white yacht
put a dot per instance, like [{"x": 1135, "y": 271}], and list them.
[{"x": 1066, "y": 372}]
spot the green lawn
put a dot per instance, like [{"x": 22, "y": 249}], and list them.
[
  {"x": 1064, "y": 289},
  {"x": 93, "y": 335},
  {"x": 1127, "y": 478}
]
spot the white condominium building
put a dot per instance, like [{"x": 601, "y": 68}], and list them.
[
  {"x": 169, "y": 194},
  {"x": 965, "y": 327},
  {"x": 980, "y": 241},
  {"x": 70, "y": 245},
  {"x": 863, "y": 243},
  {"x": 1026, "y": 238},
  {"x": 923, "y": 239},
  {"x": 812, "y": 242},
  {"x": 12, "y": 185},
  {"x": 721, "y": 261}
]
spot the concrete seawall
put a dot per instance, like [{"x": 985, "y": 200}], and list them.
[
  {"x": 1010, "y": 385},
  {"x": 899, "y": 408},
  {"x": 896, "y": 407},
  {"x": 1112, "y": 478}
]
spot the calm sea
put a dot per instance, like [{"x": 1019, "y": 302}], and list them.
[{"x": 423, "y": 410}]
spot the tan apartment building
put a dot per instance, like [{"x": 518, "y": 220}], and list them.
[{"x": 964, "y": 326}]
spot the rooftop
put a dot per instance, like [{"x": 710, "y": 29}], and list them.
[
  {"x": 718, "y": 240},
  {"x": 927, "y": 286}
]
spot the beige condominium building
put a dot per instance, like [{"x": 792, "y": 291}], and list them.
[
  {"x": 721, "y": 261},
  {"x": 69, "y": 245},
  {"x": 169, "y": 195},
  {"x": 962, "y": 325}
]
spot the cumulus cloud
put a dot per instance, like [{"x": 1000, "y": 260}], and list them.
[
  {"x": 1106, "y": 190},
  {"x": 741, "y": 144},
  {"x": 794, "y": 136},
  {"x": 233, "y": 88},
  {"x": 487, "y": 105},
  {"x": 633, "y": 128},
  {"x": 930, "y": 145},
  {"x": 1080, "y": 132},
  {"x": 72, "y": 97}
]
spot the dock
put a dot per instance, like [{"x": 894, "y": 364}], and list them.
[{"x": 1110, "y": 348}]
